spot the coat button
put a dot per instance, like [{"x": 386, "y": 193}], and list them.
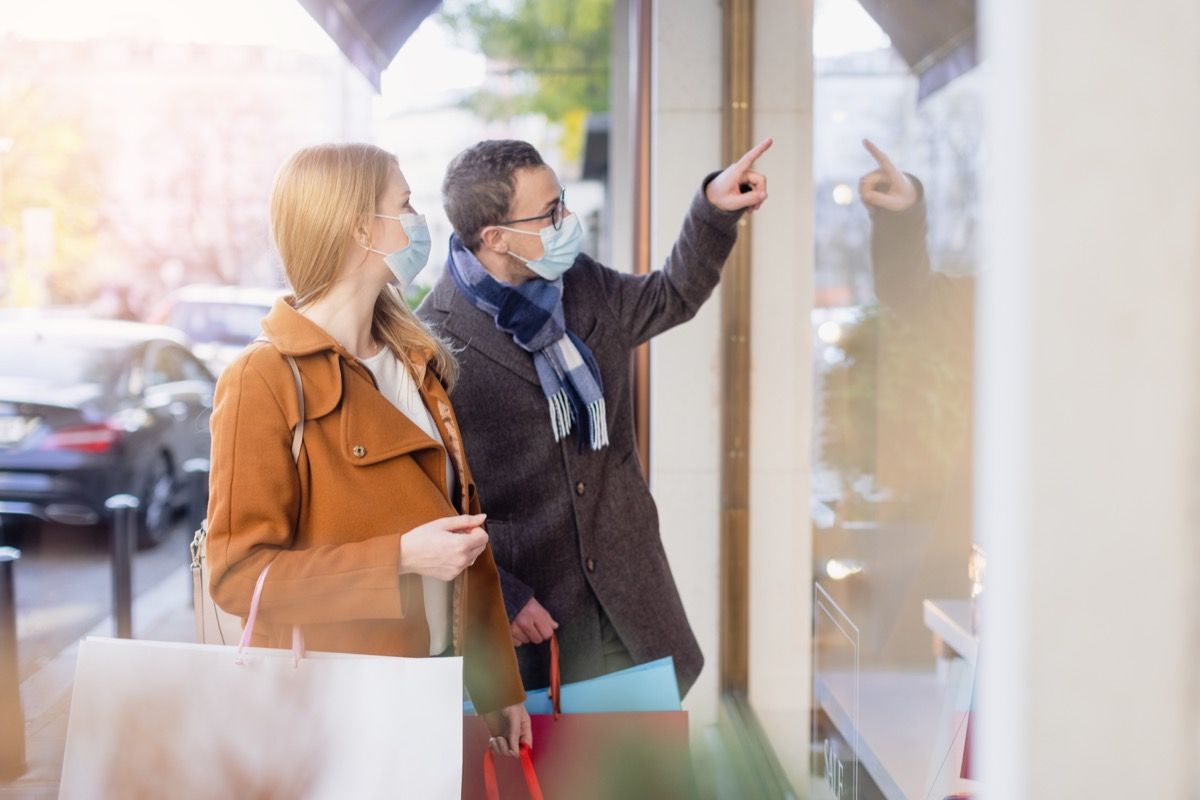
[
  {"x": 359, "y": 451},
  {"x": 580, "y": 488},
  {"x": 591, "y": 565}
]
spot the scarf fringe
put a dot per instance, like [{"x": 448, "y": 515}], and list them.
[
  {"x": 562, "y": 419},
  {"x": 566, "y": 369},
  {"x": 599, "y": 424},
  {"x": 560, "y": 414}
]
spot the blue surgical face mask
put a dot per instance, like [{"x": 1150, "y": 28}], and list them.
[
  {"x": 560, "y": 247},
  {"x": 407, "y": 262}
]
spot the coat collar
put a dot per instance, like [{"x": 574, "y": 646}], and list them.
[
  {"x": 321, "y": 359},
  {"x": 373, "y": 429},
  {"x": 294, "y": 334},
  {"x": 478, "y": 331}
]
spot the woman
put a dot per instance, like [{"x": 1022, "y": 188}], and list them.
[{"x": 373, "y": 533}]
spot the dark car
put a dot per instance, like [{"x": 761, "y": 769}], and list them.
[{"x": 94, "y": 408}]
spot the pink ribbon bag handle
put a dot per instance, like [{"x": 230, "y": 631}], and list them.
[{"x": 297, "y": 634}]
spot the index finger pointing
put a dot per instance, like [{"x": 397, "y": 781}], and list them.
[
  {"x": 881, "y": 158},
  {"x": 757, "y": 151}
]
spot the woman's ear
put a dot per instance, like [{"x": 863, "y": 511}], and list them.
[{"x": 362, "y": 233}]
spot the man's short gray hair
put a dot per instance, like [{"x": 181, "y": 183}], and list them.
[{"x": 479, "y": 185}]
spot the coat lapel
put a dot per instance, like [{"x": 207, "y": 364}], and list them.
[
  {"x": 478, "y": 331},
  {"x": 373, "y": 429}
]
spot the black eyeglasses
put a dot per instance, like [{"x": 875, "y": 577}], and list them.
[{"x": 555, "y": 215}]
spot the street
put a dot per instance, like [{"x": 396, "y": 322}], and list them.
[{"x": 64, "y": 585}]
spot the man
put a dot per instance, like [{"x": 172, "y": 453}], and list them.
[
  {"x": 543, "y": 400},
  {"x": 939, "y": 312},
  {"x": 941, "y": 308},
  {"x": 904, "y": 279}
]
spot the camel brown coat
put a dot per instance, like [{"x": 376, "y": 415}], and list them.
[{"x": 331, "y": 525}]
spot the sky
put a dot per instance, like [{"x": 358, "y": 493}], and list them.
[
  {"x": 840, "y": 26},
  {"x": 281, "y": 24}
]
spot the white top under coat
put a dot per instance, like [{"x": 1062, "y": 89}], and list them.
[{"x": 398, "y": 386}]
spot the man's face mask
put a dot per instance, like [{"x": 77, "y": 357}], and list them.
[
  {"x": 560, "y": 247},
  {"x": 407, "y": 262}
]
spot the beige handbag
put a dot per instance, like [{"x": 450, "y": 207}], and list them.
[{"x": 214, "y": 625}]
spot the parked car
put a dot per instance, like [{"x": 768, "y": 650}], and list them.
[
  {"x": 94, "y": 408},
  {"x": 218, "y": 320}
]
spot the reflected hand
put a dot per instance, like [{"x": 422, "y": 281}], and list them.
[
  {"x": 533, "y": 624},
  {"x": 887, "y": 187},
  {"x": 725, "y": 190},
  {"x": 510, "y": 728}
]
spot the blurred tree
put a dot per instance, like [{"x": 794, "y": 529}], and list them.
[
  {"x": 415, "y": 295},
  {"x": 557, "y": 55},
  {"x": 212, "y": 182},
  {"x": 48, "y": 160},
  {"x": 846, "y": 428},
  {"x": 902, "y": 389}
]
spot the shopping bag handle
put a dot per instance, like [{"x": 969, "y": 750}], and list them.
[
  {"x": 297, "y": 442},
  {"x": 555, "y": 677},
  {"x": 297, "y": 634},
  {"x": 492, "y": 786}
]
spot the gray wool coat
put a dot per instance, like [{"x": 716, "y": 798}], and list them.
[{"x": 574, "y": 528}]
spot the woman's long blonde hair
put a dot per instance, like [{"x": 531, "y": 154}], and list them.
[{"x": 321, "y": 195}]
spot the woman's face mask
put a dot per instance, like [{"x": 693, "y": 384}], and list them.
[{"x": 407, "y": 262}]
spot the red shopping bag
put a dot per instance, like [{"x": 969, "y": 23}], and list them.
[
  {"x": 617, "y": 756},
  {"x": 491, "y": 783},
  {"x": 586, "y": 756}
]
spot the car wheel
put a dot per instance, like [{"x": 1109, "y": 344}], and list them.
[{"x": 154, "y": 511}]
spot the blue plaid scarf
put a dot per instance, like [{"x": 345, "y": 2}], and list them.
[{"x": 532, "y": 314}]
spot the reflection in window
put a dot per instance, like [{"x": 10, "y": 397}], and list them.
[{"x": 893, "y": 336}]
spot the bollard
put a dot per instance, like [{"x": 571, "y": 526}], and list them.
[
  {"x": 196, "y": 470},
  {"x": 124, "y": 508},
  {"x": 12, "y": 715}
]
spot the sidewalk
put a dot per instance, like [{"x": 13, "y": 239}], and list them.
[
  {"x": 165, "y": 614},
  {"x": 162, "y": 614}
]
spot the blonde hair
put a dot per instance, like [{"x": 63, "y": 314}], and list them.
[{"x": 321, "y": 195}]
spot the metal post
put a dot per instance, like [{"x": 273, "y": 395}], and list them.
[
  {"x": 124, "y": 531},
  {"x": 641, "y": 22},
  {"x": 12, "y": 714},
  {"x": 196, "y": 472},
  {"x": 737, "y": 138}
]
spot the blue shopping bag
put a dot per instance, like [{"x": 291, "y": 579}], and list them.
[{"x": 649, "y": 687}]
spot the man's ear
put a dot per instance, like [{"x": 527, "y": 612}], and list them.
[{"x": 493, "y": 239}]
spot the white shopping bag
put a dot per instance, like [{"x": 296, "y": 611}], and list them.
[
  {"x": 165, "y": 719},
  {"x": 161, "y": 719}
]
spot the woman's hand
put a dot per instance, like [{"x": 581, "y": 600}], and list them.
[
  {"x": 510, "y": 729},
  {"x": 443, "y": 548}
]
